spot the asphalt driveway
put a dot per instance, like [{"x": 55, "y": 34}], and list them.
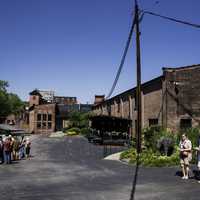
[{"x": 72, "y": 169}]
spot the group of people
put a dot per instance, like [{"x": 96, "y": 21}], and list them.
[
  {"x": 12, "y": 149},
  {"x": 185, "y": 148}
]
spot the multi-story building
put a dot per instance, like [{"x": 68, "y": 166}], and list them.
[
  {"x": 171, "y": 100},
  {"x": 47, "y": 115}
]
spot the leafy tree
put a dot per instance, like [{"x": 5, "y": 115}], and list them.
[
  {"x": 16, "y": 105},
  {"x": 3, "y": 86},
  {"x": 4, "y": 99},
  {"x": 78, "y": 119},
  {"x": 9, "y": 103}
]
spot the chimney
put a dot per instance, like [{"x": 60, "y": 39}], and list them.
[{"x": 99, "y": 99}]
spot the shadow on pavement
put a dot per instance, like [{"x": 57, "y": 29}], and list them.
[
  {"x": 132, "y": 197},
  {"x": 196, "y": 174},
  {"x": 179, "y": 173}
]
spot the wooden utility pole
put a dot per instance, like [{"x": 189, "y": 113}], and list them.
[{"x": 138, "y": 94}]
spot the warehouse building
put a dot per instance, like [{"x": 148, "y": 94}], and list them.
[{"x": 171, "y": 100}]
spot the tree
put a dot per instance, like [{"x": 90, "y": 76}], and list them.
[
  {"x": 16, "y": 105},
  {"x": 9, "y": 103},
  {"x": 4, "y": 102},
  {"x": 4, "y": 85},
  {"x": 78, "y": 119}
]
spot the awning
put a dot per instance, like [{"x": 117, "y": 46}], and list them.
[
  {"x": 108, "y": 123},
  {"x": 7, "y": 129}
]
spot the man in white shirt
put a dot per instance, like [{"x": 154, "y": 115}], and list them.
[{"x": 185, "y": 147}]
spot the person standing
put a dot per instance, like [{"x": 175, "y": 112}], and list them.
[
  {"x": 198, "y": 157},
  {"x": 7, "y": 150},
  {"x": 16, "y": 145},
  {"x": 1, "y": 150},
  {"x": 27, "y": 147},
  {"x": 185, "y": 148},
  {"x": 22, "y": 149}
]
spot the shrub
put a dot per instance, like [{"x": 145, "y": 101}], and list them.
[
  {"x": 193, "y": 135},
  {"x": 71, "y": 133},
  {"x": 74, "y": 129},
  {"x": 85, "y": 131},
  {"x": 165, "y": 146},
  {"x": 149, "y": 158},
  {"x": 158, "y": 139},
  {"x": 129, "y": 154}
]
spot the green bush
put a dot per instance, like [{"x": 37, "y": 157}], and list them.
[
  {"x": 74, "y": 129},
  {"x": 129, "y": 154},
  {"x": 85, "y": 131},
  {"x": 149, "y": 158},
  {"x": 155, "y": 135},
  {"x": 193, "y": 135},
  {"x": 64, "y": 130},
  {"x": 151, "y": 154},
  {"x": 72, "y": 133}
]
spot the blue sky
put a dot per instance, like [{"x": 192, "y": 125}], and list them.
[{"x": 74, "y": 47}]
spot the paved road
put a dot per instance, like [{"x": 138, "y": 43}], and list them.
[{"x": 72, "y": 169}]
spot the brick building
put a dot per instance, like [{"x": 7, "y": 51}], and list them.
[
  {"x": 171, "y": 100},
  {"x": 49, "y": 113}
]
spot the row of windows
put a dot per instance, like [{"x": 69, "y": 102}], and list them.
[
  {"x": 44, "y": 125},
  {"x": 184, "y": 123},
  {"x": 44, "y": 121},
  {"x": 44, "y": 117}
]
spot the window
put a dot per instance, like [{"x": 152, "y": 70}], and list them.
[
  {"x": 39, "y": 117},
  {"x": 118, "y": 107},
  {"x": 49, "y": 125},
  {"x": 185, "y": 123},
  {"x": 109, "y": 109},
  {"x": 39, "y": 125},
  {"x": 153, "y": 122},
  {"x": 44, "y": 117},
  {"x": 39, "y": 121},
  {"x": 44, "y": 125},
  {"x": 135, "y": 101},
  {"x": 49, "y": 117},
  {"x": 44, "y": 121}
]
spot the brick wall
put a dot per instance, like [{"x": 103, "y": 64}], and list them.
[
  {"x": 45, "y": 109},
  {"x": 182, "y": 99}
]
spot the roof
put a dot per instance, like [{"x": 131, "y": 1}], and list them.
[
  {"x": 66, "y": 97},
  {"x": 11, "y": 129},
  {"x": 106, "y": 117},
  {"x": 182, "y": 68},
  {"x": 8, "y": 127},
  {"x": 132, "y": 90},
  {"x": 35, "y": 92}
]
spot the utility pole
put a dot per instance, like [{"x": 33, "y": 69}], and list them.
[{"x": 138, "y": 94}]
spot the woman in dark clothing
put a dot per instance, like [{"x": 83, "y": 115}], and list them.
[{"x": 1, "y": 150}]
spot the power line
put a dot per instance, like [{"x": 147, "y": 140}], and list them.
[
  {"x": 172, "y": 19},
  {"x": 122, "y": 60}
]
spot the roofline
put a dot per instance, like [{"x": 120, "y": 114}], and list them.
[
  {"x": 36, "y": 90},
  {"x": 132, "y": 89},
  {"x": 181, "y": 68},
  {"x": 64, "y": 97}
]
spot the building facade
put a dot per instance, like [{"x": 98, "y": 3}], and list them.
[
  {"x": 49, "y": 113},
  {"x": 171, "y": 100}
]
